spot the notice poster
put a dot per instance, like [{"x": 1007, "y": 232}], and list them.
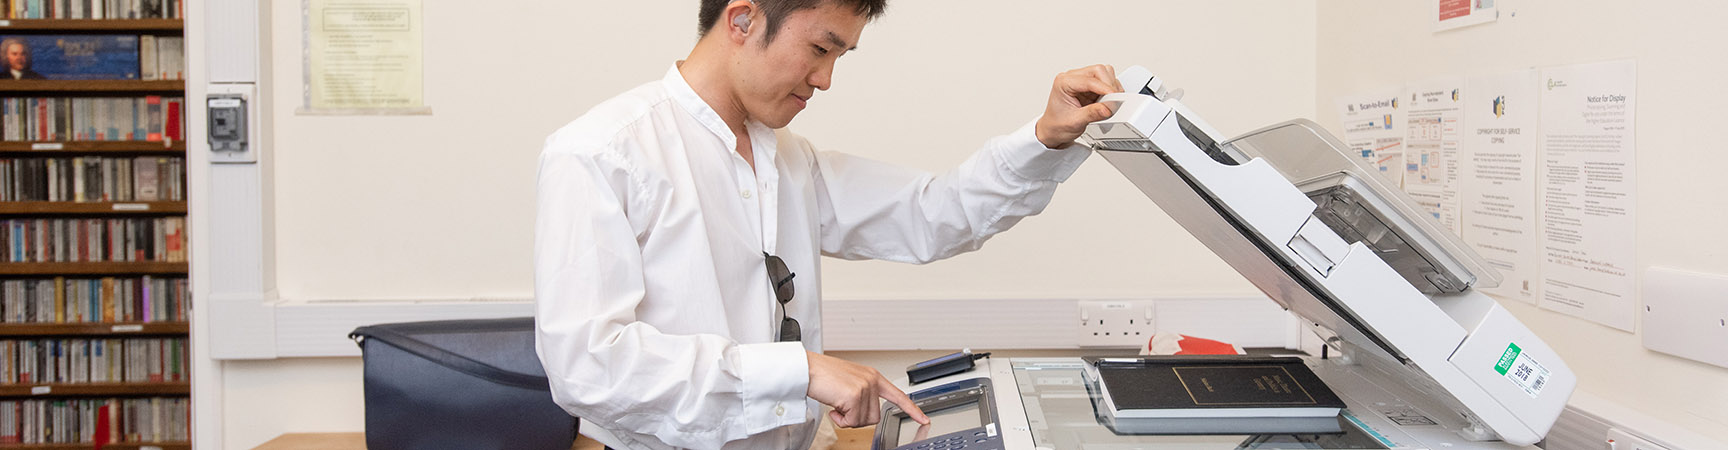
[
  {"x": 1450, "y": 14},
  {"x": 1588, "y": 185},
  {"x": 1374, "y": 131},
  {"x": 1499, "y": 187},
  {"x": 1433, "y": 130},
  {"x": 364, "y": 56}
]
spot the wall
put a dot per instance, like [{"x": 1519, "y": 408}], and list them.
[
  {"x": 1366, "y": 44},
  {"x": 440, "y": 206}
]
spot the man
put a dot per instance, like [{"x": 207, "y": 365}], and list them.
[
  {"x": 679, "y": 230},
  {"x": 18, "y": 60}
]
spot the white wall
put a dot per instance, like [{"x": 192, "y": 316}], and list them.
[
  {"x": 1678, "y": 45},
  {"x": 441, "y": 206}
]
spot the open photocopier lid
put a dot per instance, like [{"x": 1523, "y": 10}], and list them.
[{"x": 1329, "y": 239}]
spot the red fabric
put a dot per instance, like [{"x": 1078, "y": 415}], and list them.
[{"x": 1200, "y": 346}]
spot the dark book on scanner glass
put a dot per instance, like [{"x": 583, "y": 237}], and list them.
[{"x": 1213, "y": 386}]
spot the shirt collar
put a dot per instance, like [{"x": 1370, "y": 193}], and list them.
[{"x": 686, "y": 97}]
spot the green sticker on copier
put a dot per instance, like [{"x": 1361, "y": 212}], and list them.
[
  {"x": 1507, "y": 358},
  {"x": 1523, "y": 370}
]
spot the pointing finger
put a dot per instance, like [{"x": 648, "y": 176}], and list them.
[{"x": 896, "y": 396}]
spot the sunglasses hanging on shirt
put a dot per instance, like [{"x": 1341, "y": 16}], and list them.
[{"x": 780, "y": 279}]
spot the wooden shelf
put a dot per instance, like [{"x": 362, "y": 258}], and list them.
[
  {"x": 94, "y": 268},
  {"x": 105, "y": 329},
  {"x": 93, "y": 88},
  {"x": 41, "y": 208},
  {"x": 50, "y": 149},
  {"x": 91, "y": 25},
  {"x": 94, "y": 389},
  {"x": 59, "y": 87},
  {"x": 115, "y": 446}
]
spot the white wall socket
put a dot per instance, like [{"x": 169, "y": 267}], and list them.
[
  {"x": 1115, "y": 323},
  {"x": 1619, "y": 439}
]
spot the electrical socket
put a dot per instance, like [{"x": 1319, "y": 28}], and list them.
[
  {"x": 1619, "y": 439},
  {"x": 1115, "y": 323}
]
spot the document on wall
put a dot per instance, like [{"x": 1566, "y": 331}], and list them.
[
  {"x": 1499, "y": 187},
  {"x": 1374, "y": 130},
  {"x": 1588, "y": 185},
  {"x": 1433, "y": 130},
  {"x": 363, "y": 57},
  {"x": 1451, "y": 14}
]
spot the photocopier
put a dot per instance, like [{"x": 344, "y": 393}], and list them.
[{"x": 1421, "y": 357}]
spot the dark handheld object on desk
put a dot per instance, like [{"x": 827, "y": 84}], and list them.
[{"x": 942, "y": 366}]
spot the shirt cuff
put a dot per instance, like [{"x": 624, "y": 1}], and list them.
[
  {"x": 776, "y": 382},
  {"x": 1031, "y": 160}
]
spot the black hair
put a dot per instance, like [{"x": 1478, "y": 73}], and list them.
[{"x": 777, "y": 10}]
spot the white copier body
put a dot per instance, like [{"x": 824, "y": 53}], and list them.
[{"x": 1319, "y": 233}]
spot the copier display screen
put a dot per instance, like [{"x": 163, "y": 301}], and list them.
[{"x": 958, "y": 418}]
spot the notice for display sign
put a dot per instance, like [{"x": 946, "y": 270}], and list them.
[
  {"x": 1499, "y": 188},
  {"x": 363, "y": 57},
  {"x": 1588, "y": 191}
]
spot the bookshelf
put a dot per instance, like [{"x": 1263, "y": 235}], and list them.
[
  {"x": 110, "y": 86},
  {"x": 110, "y": 289},
  {"x": 89, "y": 25},
  {"x": 92, "y": 147},
  {"x": 117, "y": 446}
]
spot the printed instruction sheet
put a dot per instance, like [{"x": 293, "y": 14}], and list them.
[
  {"x": 1374, "y": 130},
  {"x": 1588, "y": 191},
  {"x": 1499, "y": 187},
  {"x": 1433, "y": 128},
  {"x": 364, "y": 56}
]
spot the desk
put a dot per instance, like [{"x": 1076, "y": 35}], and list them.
[{"x": 850, "y": 439}]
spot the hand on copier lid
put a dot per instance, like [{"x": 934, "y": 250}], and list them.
[{"x": 1074, "y": 103}]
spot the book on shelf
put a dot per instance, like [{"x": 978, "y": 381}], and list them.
[
  {"x": 83, "y": 361},
  {"x": 147, "y": 57},
  {"x": 76, "y": 420},
  {"x": 170, "y": 56},
  {"x": 34, "y": 119},
  {"x": 92, "y": 179},
  {"x": 93, "y": 9},
  {"x": 130, "y": 239},
  {"x": 1212, "y": 387},
  {"x": 70, "y": 57},
  {"x": 145, "y": 299}
]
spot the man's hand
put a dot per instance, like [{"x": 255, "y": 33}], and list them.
[
  {"x": 1074, "y": 103},
  {"x": 852, "y": 390}
]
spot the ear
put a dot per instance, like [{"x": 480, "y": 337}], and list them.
[{"x": 736, "y": 18}]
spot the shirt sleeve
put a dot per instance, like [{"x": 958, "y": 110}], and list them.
[
  {"x": 694, "y": 391},
  {"x": 874, "y": 210}
]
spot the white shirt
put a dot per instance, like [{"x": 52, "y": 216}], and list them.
[{"x": 655, "y": 319}]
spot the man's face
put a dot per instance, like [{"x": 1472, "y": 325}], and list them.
[
  {"x": 774, "y": 82},
  {"x": 16, "y": 59}
]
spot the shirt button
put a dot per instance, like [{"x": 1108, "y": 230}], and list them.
[
  {"x": 745, "y": 192},
  {"x": 779, "y": 410}
]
